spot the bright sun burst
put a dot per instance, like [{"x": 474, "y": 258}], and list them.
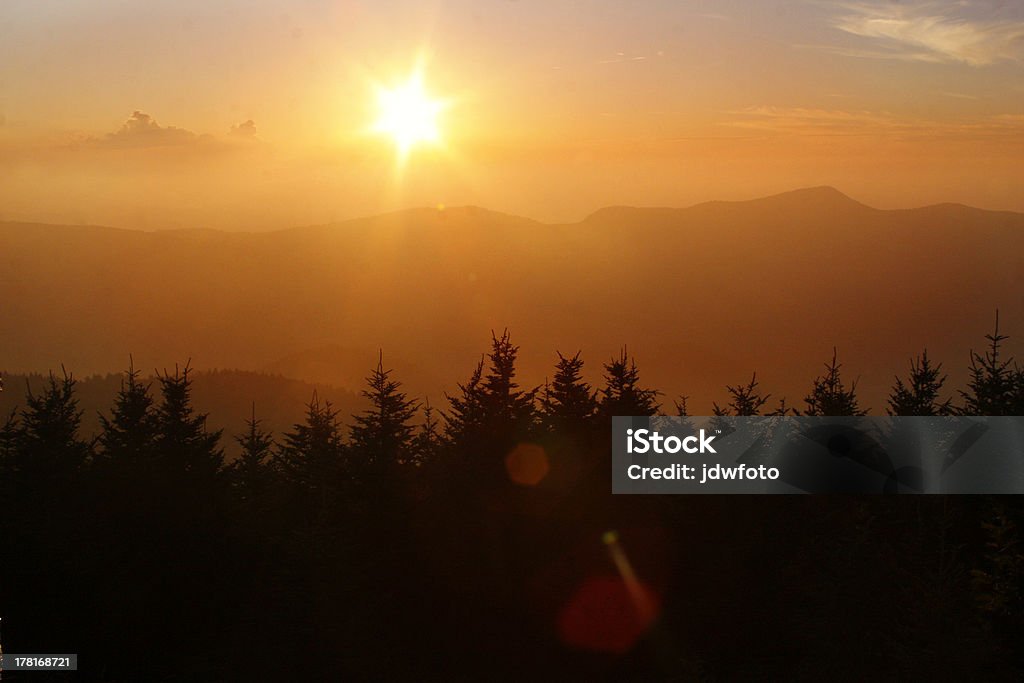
[{"x": 408, "y": 114}]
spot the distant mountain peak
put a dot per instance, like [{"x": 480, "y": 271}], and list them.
[
  {"x": 819, "y": 191},
  {"x": 820, "y": 198},
  {"x": 822, "y": 194}
]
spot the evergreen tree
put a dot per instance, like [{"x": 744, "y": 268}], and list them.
[
  {"x": 129, "y": 434},
  {"x": 248, "y": 474},
  {"x": 46, "y": 441},
  {"x": 466, "y": 412},
  {"x": 568, "y": 403},
  {"x": 829, "y": 395},
  {"x": 312, "y": 454},
  {"x": 182, "y": 441},
  {"x": 994, "y": 387},
  {"x": 508, "y": 409},
  {"x": 920, "y": 395},
  {"x": 427, "y": 442},
  {"x": 493, "y": 406},
  {"x": 622, "y": 393},
  {"x": 682, "y": 410},
  {"x": 382, "y": 436},
  {"x": 745, "y": 400}
]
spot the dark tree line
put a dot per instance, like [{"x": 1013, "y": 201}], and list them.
[{"x": 404, "y": 539}]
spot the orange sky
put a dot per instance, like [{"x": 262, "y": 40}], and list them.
[{"x": 253, "y": 115}]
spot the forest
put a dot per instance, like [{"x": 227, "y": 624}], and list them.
[{"x": 479, "y": 538}]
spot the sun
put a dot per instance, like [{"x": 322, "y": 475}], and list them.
[{"x": 408, "y": 114}]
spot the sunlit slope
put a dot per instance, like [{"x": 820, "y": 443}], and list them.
[{"x": 703, "y": 295}]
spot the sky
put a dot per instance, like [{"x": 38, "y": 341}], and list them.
[{"x": 258, "y": 114}]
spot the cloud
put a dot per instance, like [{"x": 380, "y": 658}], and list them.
[
  {"x": 621, "y": 57},
  {"x": 932, "y": 31},
  {"x": 142, "y": 130},
  {"x": 244, "y": 131}
]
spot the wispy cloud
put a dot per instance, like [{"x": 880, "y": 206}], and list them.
[
  {"x": 931, "y": 31},
  {"x": 621, "y": 57}
]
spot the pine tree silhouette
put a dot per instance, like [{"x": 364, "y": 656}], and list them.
[
  {"x": 250, "y": 471},
  {"x": 920, "y": 395},
  {"x": 428, "y": 441},
  {"x": 465, "y": 416},
  {"x": 129, "y": 434},
  {"x": 829, "y": 396},
  {"x": 568, "y": 402},
  {"x": 183, "y": 443},
  {"x": 745, "y": 400},
  {"x": 47, "y": 445},
  {"x": 507, "y": 408},
  {"x": 781, "y": 409},
  {"x": 995, "y": 386},
  {"x": 312, "y": 455},
  {"x": 682, "y": 410},
  {"x": 622, "y": 394},
  {"x": 492, "y": 406},
  {"x": 381, "y": 437}
]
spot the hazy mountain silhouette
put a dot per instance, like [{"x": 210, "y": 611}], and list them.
[
  {"x": 822, "y": 200},
  {"x": 701, "y": 294}
]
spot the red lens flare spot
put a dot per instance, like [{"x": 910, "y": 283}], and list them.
[
  {"x": 604, "y": 615},
  {"x": 527, "y": 464}
]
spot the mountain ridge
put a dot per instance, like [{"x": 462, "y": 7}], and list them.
[
  {"x": 702, "y": 295},
  {"x": 822, "y": 195}
]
